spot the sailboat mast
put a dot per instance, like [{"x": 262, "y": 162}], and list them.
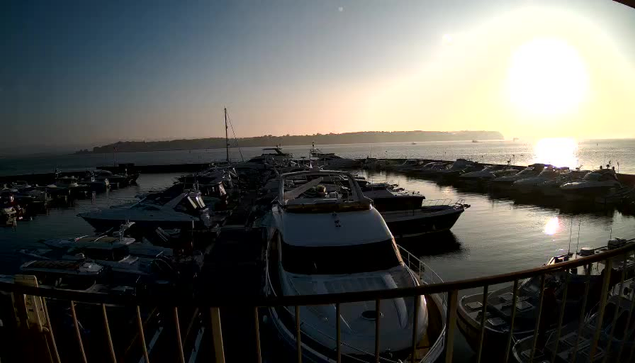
[{"x": 226, "y": 137}]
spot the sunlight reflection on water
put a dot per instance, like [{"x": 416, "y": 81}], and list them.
[
  {"x": 552, "y": 226},
  {"x": 557, "y": 152}
]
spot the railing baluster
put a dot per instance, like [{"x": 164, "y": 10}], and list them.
[
  {"x": 257, "y": 328},
  {"x": 78, "y": 333},
  {"x": 482, "y": 333},
  {"x": 177, "y": 331},
  {"x": 338, "y": 333},
  {"x": 51, "y": 336},
  {"x": 614, "y": 322},
  {"x": 582, "y": 312},
  {"x": 539, "y": 317},
  {"x": 217, "y": 334},
  {"x": 511, "y": 324},
  {"x": 561, "y": 317},
  {"x": 142, "y": 336},
  {"x": 450, "y": 325},
  {"x": 415, "y": 318},
  {"x": 298, "y": 338},
  {"x": 603, "y": 299},
  {"x": 377, "y": 326},
  {"x": 627, "y": 327},
  {"x": 111, "y": 347}
]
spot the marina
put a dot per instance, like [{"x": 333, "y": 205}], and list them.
[{"x": 439, "y": 223}]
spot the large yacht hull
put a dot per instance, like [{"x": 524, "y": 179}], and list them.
[
  {"x": 102, "y": 224},
  {"x": 412, "y": 223}
]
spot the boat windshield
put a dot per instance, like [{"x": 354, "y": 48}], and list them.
[
  {"x": 333, "y": 260},
  {"x": 592, "y": 176}
]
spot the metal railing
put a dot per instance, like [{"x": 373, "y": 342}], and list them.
[{"x": 32, "y": 314}]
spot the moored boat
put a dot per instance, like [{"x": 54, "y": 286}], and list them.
[{"x": 316, "y": 246}]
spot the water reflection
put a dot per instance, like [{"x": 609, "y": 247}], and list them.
[
  {"x": 552, "y": 226},
  {"x": 557, "y": 151},
  {"x": 432, "y": 244}
]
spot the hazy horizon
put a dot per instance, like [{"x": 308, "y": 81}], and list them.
[{"x": 82, "y": 74}]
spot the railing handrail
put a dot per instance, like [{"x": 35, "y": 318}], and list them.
[{"x": 317, "y": 299}]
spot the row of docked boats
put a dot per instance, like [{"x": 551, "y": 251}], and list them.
[
  {"x": 21, "y": 200},
  {"x": 599, "y": 186}
]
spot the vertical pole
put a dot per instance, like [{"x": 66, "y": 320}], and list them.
[
  {"x": 415, "y": 318},
  {"x": 142, "y": 336},
  {"x": 377, "y": 326},
  {"x": 451, "y": 325},
  {"x": 217, "y": 334},
  {"x": 78, "y": 333},
  {"x": 298, "y": 333},
  {"x": 483, "y": 319},
  {"x": 537, "y": 331},
  {"x": 338, "y": 333},
  {"x": 177, "y": 330},
  {"x": 257, "y": 326},
  {"x": 603, "y": 299},
  {"x": 226, "y": 136},
  {"x": 111, "y": 347},
  {"x": 511, "y": 324}
]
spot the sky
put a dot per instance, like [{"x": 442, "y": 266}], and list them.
[{"x": 92, "y": 72}]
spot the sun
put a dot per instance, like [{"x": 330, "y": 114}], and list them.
[{"x": 547, "y": 77}]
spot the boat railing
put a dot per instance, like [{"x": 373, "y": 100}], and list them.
[
  {"x": 26, "y": 322},
  {"x": 426, "y": 274},
  {"x": 442, "y": 202}
]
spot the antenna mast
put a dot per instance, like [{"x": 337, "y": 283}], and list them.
[{"x": 226, "y": 137}]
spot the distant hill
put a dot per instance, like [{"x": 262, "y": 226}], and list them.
[{"x": 320, "y": 139}]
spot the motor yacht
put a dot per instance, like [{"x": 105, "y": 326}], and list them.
[
  {"x": 328, "y": 238},
  {"x": 408, "y": 215},
  {"x": 597, "y": 183},
  {"x": 506, "y": 182},
  {"x": 184, "y": 211},
  {"x": 530, "y": 185}
]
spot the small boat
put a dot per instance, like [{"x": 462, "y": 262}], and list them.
[
  {"x": 499, "y": 302},
  {"x": 114, "y": 180},
  {"x": 407, "y": 215},
  {"x": 316, "y": 246},
  {"x": 68, "y": 187},
  {"x": 184, "y": 211},
  {"x": 486, "y": 174},
  {"x": 506, "y": 182},
  {"x": 459, "y": 167},
  {"x": 597, "y": 183},
  {"x": 332, "y": 161},
  {"x": 530, "y": 185},
  {"x": 430, "y": 169},
  {"x": 615, "y": 342}
]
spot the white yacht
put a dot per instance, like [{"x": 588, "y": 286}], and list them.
[
  {"x": 529, "y": 185},
  {"x": 183, "y": 211},
  {"x": 596, "y": 183},
  {"x": 328, "y": 238}
]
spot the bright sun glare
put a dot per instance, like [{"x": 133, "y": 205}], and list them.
[
  {"x": 557, "y": 152},
  {"x": 547, "y": 77}
]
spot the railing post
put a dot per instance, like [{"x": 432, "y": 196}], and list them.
[
  {"x": 257, "y": 328},
  {"x": 537, "y": 330},
  {"x": 78, "y": 333},
  {"x": 415, "y": 318},
  {"x": 298, "y": 333},
  {"x": 377, "y": 325},
  {"x": 338, "y": 333},
  {"x": 217, "y": 334},
  {"x": 582, "y": 312},
  {"x": 111, "y": 347},
  {"x": 450, "y": 325},
  {"x": 614, "y": 322},
  {"x": 483, "y": 321},
  {"x": 561, "y": 317},
  {"x": 603, "y": 298},
  {"x": 142, "y": 336},
  {"x": 511, "y": 324},
  {"x": 177, "y": 330}
]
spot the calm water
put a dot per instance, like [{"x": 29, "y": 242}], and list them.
[
  {"x": 493, "y": 236},
  {"x": 560, "y": 152}
]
